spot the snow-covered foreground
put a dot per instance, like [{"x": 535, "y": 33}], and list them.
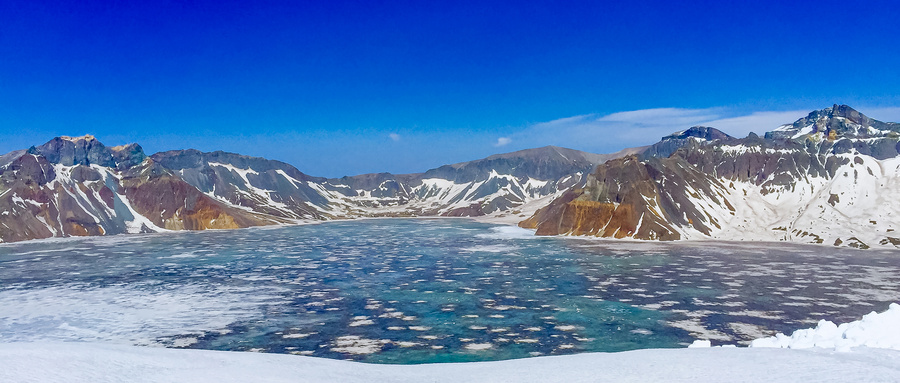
[
  {"x": 807, "y": 356},
  {"x": 91, "y": 362}
]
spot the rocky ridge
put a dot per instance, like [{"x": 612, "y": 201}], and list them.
[{"x": 77, "y": 186}]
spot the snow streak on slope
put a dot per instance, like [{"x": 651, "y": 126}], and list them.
[
  {"x": 854, "y": 208},
  {"x": 503, "y": 185},
  {"x": 59, "y": 200},
  {"x": 246, "y": 190},
  {"x": 497, "y": 195},
  {"x": 497, "y": 185},
  {"x": 78, "y": 187}
]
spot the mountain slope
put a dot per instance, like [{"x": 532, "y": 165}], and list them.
[
  {"x": 493, "y": 185},
  {"x": 263, "y": 186},
  {"x": 828, "y": 178}
]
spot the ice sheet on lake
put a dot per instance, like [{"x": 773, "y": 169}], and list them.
[
  {"x": 435, "y": 287},
  {"x": 498, "y": 248},
  {"x": 125, "y": 314}
]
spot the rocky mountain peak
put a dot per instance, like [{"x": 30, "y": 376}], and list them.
[
  {"x": 836, "y": 122},
  {"x": 704, "y": 132},
  {"x": 824, "y": 116},
  {"x": 696, "y": 135},
  {"x": 69, "y": 151},
  {"x": 848, "y": 113},
  {"x": 128, "y": 155}
]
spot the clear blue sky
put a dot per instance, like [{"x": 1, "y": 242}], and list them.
[{"x": 348, "y": 87}]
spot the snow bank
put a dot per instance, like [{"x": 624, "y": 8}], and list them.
[
  {"x": 770, "y": 360},
  {"x": 701, "y": 343},
  {"x": 875, "y": 330},
  {"x": 98, "y": 363}
]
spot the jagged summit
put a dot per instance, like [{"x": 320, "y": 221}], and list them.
[
  {"x": 847, "y": 112},
  {"x": 87, "y": 150},
  {"x": 69, "y": 151},
  {"x": 704, "y": 132},
  {"x": 119, "y": 148},
  {"x": 128, "y": 155},
  {"x": 840, "y": 111},
  {"x": 695, "y": 135},
  {"x": 838, "y": 121}
]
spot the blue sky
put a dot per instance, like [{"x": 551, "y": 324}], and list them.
[{"x": 338, "y": 88}]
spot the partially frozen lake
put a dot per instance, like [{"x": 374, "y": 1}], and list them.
[{"x": 427, "y": 290}]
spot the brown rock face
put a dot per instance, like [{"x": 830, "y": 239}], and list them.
[
  {"x": 171, "y": 203},
  {"x": 34, "y": 206},
  {"x": 629, "y": 198}
]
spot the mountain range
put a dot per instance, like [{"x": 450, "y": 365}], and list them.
[{"x": 827, "y": 178}]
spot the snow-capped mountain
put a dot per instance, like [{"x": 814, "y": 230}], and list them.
[
  {"x": 77, "y": 186},
  {"x": 494, "y": 185},
  {"x": 500, "y": 184},
  {"x": 828, "y": 178},
  {"x": 256, "y": 184}
]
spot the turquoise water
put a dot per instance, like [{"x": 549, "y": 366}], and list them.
[{"x": 410, "y": 291}]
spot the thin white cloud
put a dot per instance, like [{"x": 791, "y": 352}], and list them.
[
  {"x": 394, "y": 136},
  {"x": 502, "y": 141},
  {"x": 615, "y": 131},
  {"x": 612, "y": 132},
  {"x": 758, "y": 122},
  {"x": 663, "y": 116}
]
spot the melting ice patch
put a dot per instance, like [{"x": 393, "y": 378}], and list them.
[
  {"x": 508, "y": 232},
  {"x": 190, "y": 254},
  {"x": 352, "y": 344},
  {"x": 478, "y": 346},
  {"x": 499, "y": 248},
  {"x": 125, "y": 314}
]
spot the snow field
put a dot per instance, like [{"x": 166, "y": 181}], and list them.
[
  {"x": 99, "y": 363},
  {"x": 804, "y": 356}
]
